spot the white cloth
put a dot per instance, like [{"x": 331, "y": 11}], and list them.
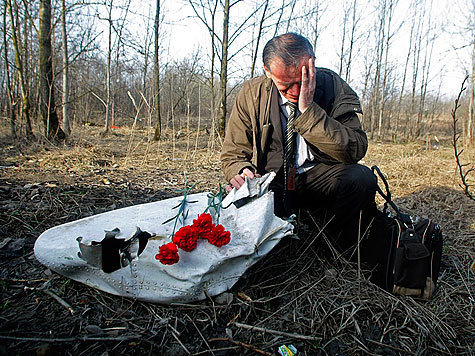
[{"x": 254, "y": 228}]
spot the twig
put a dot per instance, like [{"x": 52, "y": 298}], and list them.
[
  {"x": 457, "y": 153},
  {"x": 51, "y": 294},
  {"x": 294, "y": 299},
  {"x": 389, "y": 346},
  {"x": 60, "y": 301},
  {"x": 247, "y": 346},
  {"x": 217, "y": 350},
  {"x": 178, "y": 340},
  {"x": 97, "y": 96},
  {"x": 359, "y": 252},
  {"x": 276, "y": 332},
  {"x": 70, "y": 339},
  {"x": 199, "y": 332},
  {"x": 212, "y": 302},
  {"x": 132, "y": 130}
]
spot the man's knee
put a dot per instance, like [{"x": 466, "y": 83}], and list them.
[{"x": 358, "y": 179}]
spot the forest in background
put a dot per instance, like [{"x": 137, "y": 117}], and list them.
[{"x": 109, "y": 63}]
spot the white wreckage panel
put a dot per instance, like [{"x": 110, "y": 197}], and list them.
[{"x": 254, "y": 228}]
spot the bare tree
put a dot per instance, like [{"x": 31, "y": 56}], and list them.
[
  {"x": 119, "y": 28},
  {"x": 224, "y": 69},
  {"x": 376, "y": 87},
  {"x": 207, "y": 16},
  {"x": 156, "y": 72},
  {"x": 65, "y": 96},
  {"x": 388, "y": 36},
  {"x": 462, "y": 167},
  {"x": 47, "y": 106},
  {"x": 108, "y": 65},
  {"x": 258, "y": 38},
  {"x": 463, "y": 27},
  {"x": 404, "y": 77},
  {"x": 354, "y": 23},
  {"x": 25, "y": 107},
  {"x": 471, "y": 104},
  {"x": 315, "y": 17},
  {"x": 292, "y": 4},
  {"x": 11, "y": 102},
  {"x": 343, "y": 37},
  {"x": 417, "y": 49},
  {"x": 429, "y": 46}
]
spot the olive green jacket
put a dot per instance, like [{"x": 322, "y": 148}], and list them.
[{"x": 330, "y": 126}]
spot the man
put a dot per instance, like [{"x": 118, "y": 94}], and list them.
[{"x": 302, "y": 123}]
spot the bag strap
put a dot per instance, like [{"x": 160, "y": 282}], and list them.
[{"x": 405, "y": 218}]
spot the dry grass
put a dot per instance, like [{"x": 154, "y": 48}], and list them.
[{"x": 316, "y": 303}]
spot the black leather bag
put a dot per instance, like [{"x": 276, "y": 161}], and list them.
[{"x": 407, "y": 252}]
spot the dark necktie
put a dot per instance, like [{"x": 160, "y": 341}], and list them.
[{"x": 289, "y": 148}]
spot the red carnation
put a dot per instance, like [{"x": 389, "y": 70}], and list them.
[
  {"x": 219, "y": 236},
  {"x": 204, "y": 221},
  {"x": 186, "y": 238},
  {"x": 168, "y": 254},
  {"x": 205, "y": 225}
]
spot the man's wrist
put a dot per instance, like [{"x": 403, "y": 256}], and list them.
[{"x": 248, "y": 167}]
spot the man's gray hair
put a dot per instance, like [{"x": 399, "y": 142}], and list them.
[{"x": 290, "y": 48}]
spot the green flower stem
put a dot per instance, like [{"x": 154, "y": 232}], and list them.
[{"x": 181, "y": 207}]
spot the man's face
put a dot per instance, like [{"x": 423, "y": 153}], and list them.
[{"x": 287, "y": 79}]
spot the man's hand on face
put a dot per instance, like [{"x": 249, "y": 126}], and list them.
[
  {"x": 238, "y": 180},
  {"x": 307, "y": 88}
]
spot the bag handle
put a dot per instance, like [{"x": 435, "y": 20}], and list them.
[{"x": 405, "y": 218}]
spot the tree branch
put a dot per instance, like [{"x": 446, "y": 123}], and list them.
[{"x": 463, "y": 174}]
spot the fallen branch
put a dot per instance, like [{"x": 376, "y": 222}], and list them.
[
  {"x": 60, "y": 301},
  {"x": 70, "y": 339},
  {"x": 247, "y": 346},
  {"x": 276, "y": 332},
  {"x": 178, "y": 340},
  {"x": 216, "y": 350},
  {"x": 53, "y": 295},
  {"x": 457, "y": 153},
  {"x": 199, "y": 332}
]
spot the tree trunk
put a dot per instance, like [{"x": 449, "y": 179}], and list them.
[
  {"x": 410, "y": 126},
  {"x": 259, "y": 34},
  {"x": 316, "y": 28},
  {"x": 66, "y": 122},
  {"x": 352, "y": 42},
  {"x": 342, "y": 48},
  {"x": 47, "y": 107},
  {"x": 224, "y": 71},
  {"x": 471, "y": 116},
  {"x": 119, "y": 29},
  {"x": 10, "y": 104},
  {"x": 377, "y": 79},
  {"x": 212, "y": 89},
  {"x": 425, "y": 77},
  {"x": 158, "y": 124},
  {"x": 25, "y": 106},
  {"x": 403, "y": 85},
  {"x": 107, "y": 123},
  {"x": 385, "y": 74}
]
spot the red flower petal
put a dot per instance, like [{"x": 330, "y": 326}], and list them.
[
  {"x": 186, "y": 238},
  {"x": 219, "y": 236},
  {"x": 168, "y": 254},
  {"x": 204, "y": 224}
]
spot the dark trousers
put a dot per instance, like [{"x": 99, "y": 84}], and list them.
[{"x": 334, "y": 193}]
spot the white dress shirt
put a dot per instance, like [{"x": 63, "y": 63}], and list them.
[{"x": 303, "y": 156}]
